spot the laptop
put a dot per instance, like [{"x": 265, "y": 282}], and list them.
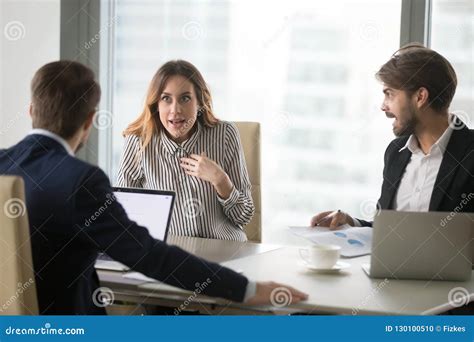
[
  {"x": 148, "y": 208},
  {"x": 421, "y": 245}
]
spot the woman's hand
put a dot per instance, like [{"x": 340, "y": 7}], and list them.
[
  {"x": 206, "y": 169},
  {"x": 202, "y": 167}
]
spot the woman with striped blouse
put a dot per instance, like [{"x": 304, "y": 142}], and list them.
[{"x": 178, "y": 144}]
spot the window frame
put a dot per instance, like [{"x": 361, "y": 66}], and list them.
[{"x": 82, "y": 19}]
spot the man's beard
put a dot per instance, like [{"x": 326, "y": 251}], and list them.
[{"x": 408, "y": 126}]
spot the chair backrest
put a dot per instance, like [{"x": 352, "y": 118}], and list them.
[
  {"x": 17, "y": 278},
  {"x": 250, "y": 138}
]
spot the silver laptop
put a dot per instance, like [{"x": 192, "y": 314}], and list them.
[
  {"x": 424, "y": 246},
  {"x": 148, "y": 208}
]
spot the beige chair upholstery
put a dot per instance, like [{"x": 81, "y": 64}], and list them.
[
  {"x": 17, "y": 279},
  {"x": 250, "y": 138}
]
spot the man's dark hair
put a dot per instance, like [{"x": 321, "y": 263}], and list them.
[{"x": 414, "y": 66}]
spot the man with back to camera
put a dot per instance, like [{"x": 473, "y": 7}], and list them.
[
  {"x": 430, "y": 165},
  {"x": 63, "y": 192}
]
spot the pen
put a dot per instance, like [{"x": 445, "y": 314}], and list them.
[{"x": 330, "y": 216}]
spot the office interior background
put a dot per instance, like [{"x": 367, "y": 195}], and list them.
[{"x": 303, "y": 69}]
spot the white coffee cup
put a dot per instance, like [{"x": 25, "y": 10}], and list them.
[{"x": 321, "y": 256}]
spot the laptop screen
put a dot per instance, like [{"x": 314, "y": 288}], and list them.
[{"x": 148, "y": 208}]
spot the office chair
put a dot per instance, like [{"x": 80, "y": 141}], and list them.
[
  {"x": 250, "y": 138},
  {"x": 17, "y": 280}
]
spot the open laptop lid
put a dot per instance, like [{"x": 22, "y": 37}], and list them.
[
  {"x": 148, "y": 208},
  {"x": 422, "y": 245}
]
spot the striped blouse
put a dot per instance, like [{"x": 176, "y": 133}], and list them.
[{"x": 199, "y": 210}]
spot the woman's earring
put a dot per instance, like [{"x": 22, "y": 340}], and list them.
[{"x": 199, "y": 113}]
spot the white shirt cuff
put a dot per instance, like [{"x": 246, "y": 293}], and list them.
[{"x": 251, "y": 290}]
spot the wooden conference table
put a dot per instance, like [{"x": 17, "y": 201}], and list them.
[{"x": 349, "y": 292}]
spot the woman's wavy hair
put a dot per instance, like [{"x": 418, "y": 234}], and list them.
[{"x": 148, "y": 122}]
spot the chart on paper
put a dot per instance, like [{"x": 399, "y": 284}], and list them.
[{"x": 354, "y": 241}]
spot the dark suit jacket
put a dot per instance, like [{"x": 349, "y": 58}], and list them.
[
  {"x": 455, "y": 180},
  {"x": 72, "y": 218}
]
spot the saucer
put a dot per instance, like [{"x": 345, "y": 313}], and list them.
[{"x": 340, "y": 265}]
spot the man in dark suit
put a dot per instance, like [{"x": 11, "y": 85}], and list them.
[
  {"x": 430, "y": 165},
  {"x": 63, "y": 193}
]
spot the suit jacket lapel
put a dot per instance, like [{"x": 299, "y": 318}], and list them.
[
  {"x": 394, "y": 174},
  {"x": 453, "y": 156}
]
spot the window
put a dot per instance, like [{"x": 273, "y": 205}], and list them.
[
  {"x": 452, "y": 34},
  {"x": 303, "y": 69}
]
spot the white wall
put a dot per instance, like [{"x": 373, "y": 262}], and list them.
[{"x": 29, "y": 38}]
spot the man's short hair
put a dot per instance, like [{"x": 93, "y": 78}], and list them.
[
  {"x": 414, "y": 66},
  {"x": 63, "y": 94}
]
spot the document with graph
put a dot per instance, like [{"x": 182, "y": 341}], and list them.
[{"x": 354, "y": 241}]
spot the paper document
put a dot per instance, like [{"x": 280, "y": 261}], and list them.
[{"x": 354, "y": 241}]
